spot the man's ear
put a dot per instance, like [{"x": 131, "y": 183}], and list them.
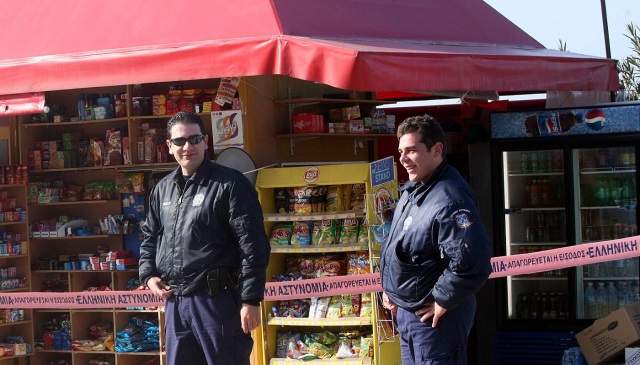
[{"x": 438, "y": 147}]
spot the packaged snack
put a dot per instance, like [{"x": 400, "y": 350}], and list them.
[
  {"x": 281, "y": 197},
  {"x": 351, "y": 305},
  {"x": 324, "y": 232},
  {"x": 335, "y": 307},
  {"x": 319, "y": 306},
  {"x": 307, "y": 267},
  {"x": 365, "y": 305},
  {"x": 318, "y": 196},
  {"x": 349, "y": 231},
  {"x": 281, "y": 235},
  {"x": 301, "y": 235},
  {"x": 333, "y": 200},
  {"x": 302, "y": 200},
  {"x": 363, "y": 232},
  {"x": 282, "y": 343},
  {"x": 358, "y": 263},
  {"x": 113, "y": 153},
  {"x": 329, "y": 265},
  {"x": 357, "y": 196}
]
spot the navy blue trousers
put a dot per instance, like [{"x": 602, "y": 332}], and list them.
[
  {"x": 203, "y": 329},
  {"x": 421, "y": 344}
]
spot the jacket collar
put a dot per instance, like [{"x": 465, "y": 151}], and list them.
[
  {"x": 412, "y": 186},
  {"x": 203, "y": 171}
]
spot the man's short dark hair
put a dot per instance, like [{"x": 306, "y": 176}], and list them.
[
  {"x": 185, "y": 118},
  {"x": 429, "y": 129}
]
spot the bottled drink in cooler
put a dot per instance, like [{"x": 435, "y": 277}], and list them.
[
  {"x": 602, "y": 304},
  {"x": 590, "y": 304},
  {"x": 612, "y": 298}
]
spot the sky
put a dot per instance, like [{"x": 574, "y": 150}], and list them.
[{"x": 577, "y": 22}]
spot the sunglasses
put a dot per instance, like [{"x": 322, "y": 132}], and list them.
[{"x": 181, "y": 141}]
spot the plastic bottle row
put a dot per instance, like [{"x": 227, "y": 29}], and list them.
[
  {"x": 602, "y": 298},
  {"x": 624, "y": 268}
]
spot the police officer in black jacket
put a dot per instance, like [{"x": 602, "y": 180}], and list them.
[{"x": 205, "y": 251}]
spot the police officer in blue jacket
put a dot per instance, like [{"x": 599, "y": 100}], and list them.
[{"x": 437, "y": 254}]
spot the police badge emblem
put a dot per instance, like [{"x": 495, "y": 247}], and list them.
[
  {"x": 197, "y": 200},
  {"x": 462, "y": 221}
]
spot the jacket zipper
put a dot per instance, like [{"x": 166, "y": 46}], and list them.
[{"x": 176, "y": 220}]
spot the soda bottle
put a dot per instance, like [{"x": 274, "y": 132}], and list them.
[
  {"x": 534, "y": 193},
  {"x": 551, "y": 122}
]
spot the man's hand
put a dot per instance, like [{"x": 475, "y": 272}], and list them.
[
  {"x": 159, "y": 288},
  {"x": 431, "y": 309},
  {"x": 388, "y": 304},
  {"x": 250, "y": 317}
]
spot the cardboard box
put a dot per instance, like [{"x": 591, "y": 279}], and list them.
[
  {"x": 307, "y": 123},
  {"x": 607, "y": 337},
  {"x": 632, "y": 356},
  {"x": 344, "y": 114}
]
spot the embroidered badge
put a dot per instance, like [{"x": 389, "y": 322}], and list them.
[
  {"x": 197, "y": 200},
  {"x": 166, "y": 204},
  {"x": 462, "y": 220},
  {"x": 407, "y": 223}
]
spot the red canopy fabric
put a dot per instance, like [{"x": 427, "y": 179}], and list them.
[
  {"x": 366, "y": 45},
  {"x": 27, "y": 103}
]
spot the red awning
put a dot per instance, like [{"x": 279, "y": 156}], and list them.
[
  {"x": 27, "y": 103},
  {"x": 366, "y": 45}
]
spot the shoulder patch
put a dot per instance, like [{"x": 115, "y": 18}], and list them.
[{"x": 462, "y": 218}]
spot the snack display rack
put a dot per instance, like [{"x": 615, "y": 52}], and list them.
[{"x": 385, "y": 346}]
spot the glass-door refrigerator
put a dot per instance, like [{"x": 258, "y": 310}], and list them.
[{"x": 561, "y": 178}]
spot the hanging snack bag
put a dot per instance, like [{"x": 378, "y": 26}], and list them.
[
  {"x": 349, "y": 231},
  {"x": 281, "y": 235},
  {"x": 301, "y": 235},
  {"x": 324, "y": 232}
]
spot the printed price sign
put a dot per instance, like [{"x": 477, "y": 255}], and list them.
[{"x": 382, "y": 171}]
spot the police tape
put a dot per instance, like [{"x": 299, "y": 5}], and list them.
[{"x": 512, "y": 265}]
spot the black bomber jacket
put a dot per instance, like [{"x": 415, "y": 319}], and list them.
[{"x": 212, "y": 220}]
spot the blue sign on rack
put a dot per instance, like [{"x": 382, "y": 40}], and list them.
[{"x": 382, "y": 171}]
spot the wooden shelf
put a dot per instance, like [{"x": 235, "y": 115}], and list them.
[
  {"x": 351, "y": 361},
  {"x": 317, "y": 248},
  {"x": 78, "y": 202},
  {"x": 292, "y": 217},
  {"x": 322, "y": 322},
  {"x": 78, "y": 123}
]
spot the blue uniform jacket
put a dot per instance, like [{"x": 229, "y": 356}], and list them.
[{"x": 437, "y": 249}]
